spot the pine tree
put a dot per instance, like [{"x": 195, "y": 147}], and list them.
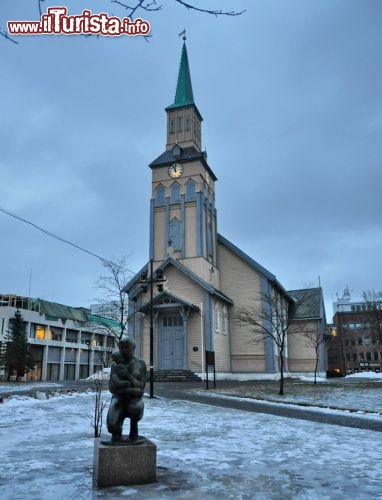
[{"x": 15, "y": 351}]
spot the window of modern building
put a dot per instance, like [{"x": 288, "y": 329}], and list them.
[
  {"x": 55, "y": 335},
  {"x": 362, "y": 356},
  {"x": 375, "y": 356},
  {"x": 98, "y": 340},
  {"x": 368, "y": 356},
  {"x": 360, "y": 341},
  {"x": 40, "y": 332}
]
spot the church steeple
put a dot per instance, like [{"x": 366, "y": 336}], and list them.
[
  {"x": 184, "y": 95},
  {"x": 183, "y": 117}
]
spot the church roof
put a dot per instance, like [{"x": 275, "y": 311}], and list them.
[
  {"x": 187, "y": 154},
  {"x": 184, "y": 95},
  {"x": 308, "y": 303},
  {"x": 194, "y": 277},
  {"x": 166, "y": 299}
]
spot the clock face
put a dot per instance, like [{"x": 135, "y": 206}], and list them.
[{"x": 175, "y": 170}]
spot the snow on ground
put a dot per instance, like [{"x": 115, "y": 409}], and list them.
[
  {"x": 368, "y": 375},
  {"x": 203, "y": 452}
]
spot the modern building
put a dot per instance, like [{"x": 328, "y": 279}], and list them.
[
  {"x": 357, "y": 341},
  {"x": 208, "y": 278},
  {"x": 67, "y": 343}
]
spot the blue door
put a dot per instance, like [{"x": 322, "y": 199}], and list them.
[{"x": 171, "y": 342}]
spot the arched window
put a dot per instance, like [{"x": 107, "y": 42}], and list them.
[
  {"x": 180, "y": 124},
  {"x": 216, "y": 317},
  {"x": 175, "y": 233},
  {"x": 209, "y": 238},
  {"x": 172, "y": 126},
  {"x": 175, "y": 193},
  {"x": 190, "y": 190},
  {"x": 160, "y": 195},
  {"x": 225, "y": 320}
]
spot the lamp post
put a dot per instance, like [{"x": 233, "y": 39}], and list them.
[
  {"x": 145, "y": 280},
  {"x": 89, "y": 349}
]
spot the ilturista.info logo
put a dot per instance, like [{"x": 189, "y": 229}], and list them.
[{"x": 57, "y": 22}]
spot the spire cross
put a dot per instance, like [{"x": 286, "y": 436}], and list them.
[{"x": 183, "y": 33}]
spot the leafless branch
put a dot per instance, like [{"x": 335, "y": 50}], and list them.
[
  {"x": 40, "y": 7},
  {"x": 141, "y": 4},
  {"x": 5, "y": 34},
  {"x": 207, "y": 11}
]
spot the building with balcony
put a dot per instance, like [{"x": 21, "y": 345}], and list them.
[{"x": 67, "y": 343}]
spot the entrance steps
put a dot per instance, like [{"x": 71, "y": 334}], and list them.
[{"x": 176, "y": 376}]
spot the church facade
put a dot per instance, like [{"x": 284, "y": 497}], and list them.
[{"x": 207, "y": 278}]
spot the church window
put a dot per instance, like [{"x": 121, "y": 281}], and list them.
[
  {"x": 160, "y": 197},
  {"x": 172, "y": 126},
  {"x": 175, "y": 193},
  {"x": 209, "y": 239},
  {"x": 225, "y": 321},
  {"x": 175, "y": 233},
  {"x": 216, "y": 317},
  {"x": 190, "y": 190},
  {"x": 188, "y": 122},
  {"x": 171, "y": 321},
  {"x": 180, "y": 124},
  {"x": 220, "y": 319}
]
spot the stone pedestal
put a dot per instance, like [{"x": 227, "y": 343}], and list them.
[{"x": 124, "y": 464}]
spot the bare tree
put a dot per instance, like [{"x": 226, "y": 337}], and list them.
[
  {"x": 316, "y": 339},
  {"x": 96, "y": 418},
  {"x": 113, "y": 303},
  {"x": 269, "y": 318},
  {"x": 278, "y": 315}
]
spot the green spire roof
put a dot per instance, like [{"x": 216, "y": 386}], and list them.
[{"x": 184, "y": 95}]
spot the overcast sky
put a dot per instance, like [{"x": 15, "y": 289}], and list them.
[{"x": 291, "y": 96}]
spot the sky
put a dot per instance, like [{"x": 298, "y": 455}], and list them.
[
  {"x": 291, "y": 97},
  {"x": 269, "y": 457}
]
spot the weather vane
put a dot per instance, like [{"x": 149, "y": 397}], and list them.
[{"x": 183, "y": 33}]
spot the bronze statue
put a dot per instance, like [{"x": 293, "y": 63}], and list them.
[{"x": 127, "y": 384}]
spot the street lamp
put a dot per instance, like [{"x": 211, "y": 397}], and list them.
[
  {"x": 89, "y": 349},
  {"x": 159, "y": 279}
]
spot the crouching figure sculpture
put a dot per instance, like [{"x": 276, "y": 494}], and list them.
[{"x": 127, "y": 384}]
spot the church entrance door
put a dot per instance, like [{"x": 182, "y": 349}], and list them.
[{"x": 171, "y": 343}]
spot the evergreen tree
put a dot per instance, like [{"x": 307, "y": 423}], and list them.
[{"x": 15, "y": 355}]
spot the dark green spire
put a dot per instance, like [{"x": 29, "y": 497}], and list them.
[{"x": 184, "y": 95}]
